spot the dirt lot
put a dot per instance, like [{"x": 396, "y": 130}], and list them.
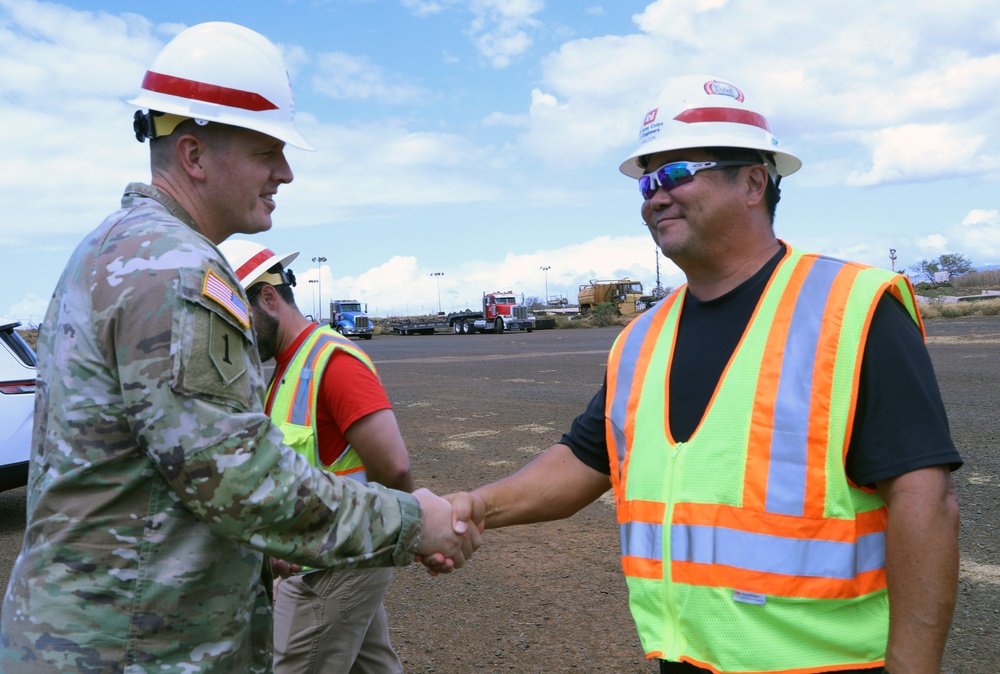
[{"x": 551, "y": 598}]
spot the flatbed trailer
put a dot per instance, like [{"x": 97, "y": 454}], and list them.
[
  {"x": 500, "y": 313},
  {"x": 419, "y": 327}
]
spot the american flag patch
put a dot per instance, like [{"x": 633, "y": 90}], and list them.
[{"x": 217, "y": 289}]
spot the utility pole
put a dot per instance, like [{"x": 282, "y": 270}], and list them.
[
  {"x": 546, "y": 268},
  {"x": 658, "y": 291},
  {"x": 319, "y": 259},
  {"x": 438, "y": 274},
  {"x": 892, "y": 258}
]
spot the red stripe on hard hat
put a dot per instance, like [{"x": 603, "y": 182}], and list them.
[
  {"x": 252, "y": 263},
  {"x": 209, "y": 93},
  {"x": 731, "y": 115}
]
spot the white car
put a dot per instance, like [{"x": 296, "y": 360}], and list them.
[{"x": 17, "y": 405}]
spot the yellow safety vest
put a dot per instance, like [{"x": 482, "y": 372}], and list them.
[
  {"x": 294, "y": 406},
  {"x": 746, "y": 548}
]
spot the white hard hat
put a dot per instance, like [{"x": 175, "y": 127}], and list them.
[
  {"x": 251, "y": 261},
  {"x": 697, "y": 111},
  {"x": 226, "y": 73}
]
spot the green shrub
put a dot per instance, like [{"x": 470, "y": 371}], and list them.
[
  {"x": 604, "y": 314},
  {"x": 932, "y": 310}
]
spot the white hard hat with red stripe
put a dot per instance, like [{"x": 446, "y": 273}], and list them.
[
  {"x": 251, "y": 262},
  {"x": 221, "y": 72},
  {"x": 696, "y": 111}
]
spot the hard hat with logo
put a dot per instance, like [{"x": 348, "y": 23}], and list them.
[
  {"x": 218, "y": 72},
  {"x": 252, "y": 262},
  {"x": 696, "y": 111}
]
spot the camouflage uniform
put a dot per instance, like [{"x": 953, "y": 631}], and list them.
[{"x": 156, "y": 479}]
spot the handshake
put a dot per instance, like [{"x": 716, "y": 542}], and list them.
[{"x": 452, "y": 529}]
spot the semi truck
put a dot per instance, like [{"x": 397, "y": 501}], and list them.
[
  {"x": 500, "y": 312},
  {"x": 625, "y": 294},
  {"x": 350, "y": 319}
]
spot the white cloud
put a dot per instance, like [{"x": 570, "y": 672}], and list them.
[
  {"x": 823, "y": 72},
  {"x": 351, "y": 77},
  {"x": 922, "y": 152},
  {"x": 499, "y": 28},
  {"x": 403, "y": 285},
  {"x": 935, "y": 243},
  {"x": 978, "y": 236},
  {"x": 30, "y": 310},
  {"x": 426, "y": 7}
]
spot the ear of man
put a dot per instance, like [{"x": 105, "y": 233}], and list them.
[
  {"x": 190, "y": 151},
  {"x": 756, "y": 185}
]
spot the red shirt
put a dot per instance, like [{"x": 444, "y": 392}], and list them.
[{"x": 348, "y": 391}]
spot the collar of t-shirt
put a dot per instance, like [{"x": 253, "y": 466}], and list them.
[{"x": 707, "y": 336}]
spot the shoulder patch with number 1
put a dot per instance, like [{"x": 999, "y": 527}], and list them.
[
  {"x": 217, "y": 289},
  {"x": 225, "y": 348}
]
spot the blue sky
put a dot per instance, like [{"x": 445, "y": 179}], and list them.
[{"x": 481, "y": 138}]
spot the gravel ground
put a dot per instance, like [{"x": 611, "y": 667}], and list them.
[{"x": 551, "y": 597}]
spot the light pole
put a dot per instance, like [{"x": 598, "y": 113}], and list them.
[
  {"x": 438, "y": 274},
  {"x": 319, "y": 259},
  {"x": 545, "y": 301},
  {"x": 311, "y": 281}
]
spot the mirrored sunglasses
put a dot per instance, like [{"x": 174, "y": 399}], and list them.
[{"x": 680, "y": 173}]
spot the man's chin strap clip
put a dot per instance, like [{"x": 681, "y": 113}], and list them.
[
  {"x": 155, "y": 124},
  {"x": 143, "y": 125}
]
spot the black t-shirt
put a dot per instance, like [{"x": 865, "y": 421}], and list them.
[{"x": 899, "y": 424}]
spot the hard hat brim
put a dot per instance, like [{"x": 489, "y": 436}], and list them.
[{"x": 261, "y": 269}]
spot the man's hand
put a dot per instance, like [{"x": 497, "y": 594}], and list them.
[
  {"x": 468, "y": 507},
  {"x": 448, "y": 539},
  {"x": 282, "y": 569},
  {"x": 468, "y": 514}
]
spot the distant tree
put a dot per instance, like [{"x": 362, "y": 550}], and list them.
[
  {"x": 925, "y": 270},
  {"x": 955, "y": 264}
]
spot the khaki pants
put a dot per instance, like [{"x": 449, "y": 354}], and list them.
[{"x": 333, "y": 622}]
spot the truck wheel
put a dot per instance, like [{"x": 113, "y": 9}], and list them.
[
  {"x": 367, "y": 336},
  {"x": 498, "y": 326},
  {"x": 468, "y": 327},
  {"x": 527, "y": 329},
  {"x": 457, "y": 327}
]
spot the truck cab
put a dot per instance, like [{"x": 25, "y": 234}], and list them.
[
  {"x": 350, "y": 318},
  {"x": 501, "y": 311},
  {"x": 624, "y": 294}
]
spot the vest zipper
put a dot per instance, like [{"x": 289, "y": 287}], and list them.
[{"x": 672, "y": 487}]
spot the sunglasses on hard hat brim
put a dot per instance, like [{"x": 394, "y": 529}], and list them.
[{"x": 675, "y": 174}]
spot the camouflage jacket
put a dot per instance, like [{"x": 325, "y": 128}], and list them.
[{"x": 156, "y": 480}]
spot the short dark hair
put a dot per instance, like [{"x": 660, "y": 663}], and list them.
[
  {"x": 773, "y": 194},
  {"x": 284, "y": 291},
  {"x": 161, "y": 148}
]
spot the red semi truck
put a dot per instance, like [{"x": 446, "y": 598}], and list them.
[{"x": 501, "y": 312}]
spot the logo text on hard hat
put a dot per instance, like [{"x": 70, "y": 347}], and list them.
[
  {"x": 720, "y": 88},
  {"x": 650, "y": 117}
]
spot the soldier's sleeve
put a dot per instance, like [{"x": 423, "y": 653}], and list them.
[{"x": 191, "y": 380}]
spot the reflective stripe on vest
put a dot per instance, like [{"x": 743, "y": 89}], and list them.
[
  {"x": 782, "y": 519},
  {"x": 295, "y": 400}
]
